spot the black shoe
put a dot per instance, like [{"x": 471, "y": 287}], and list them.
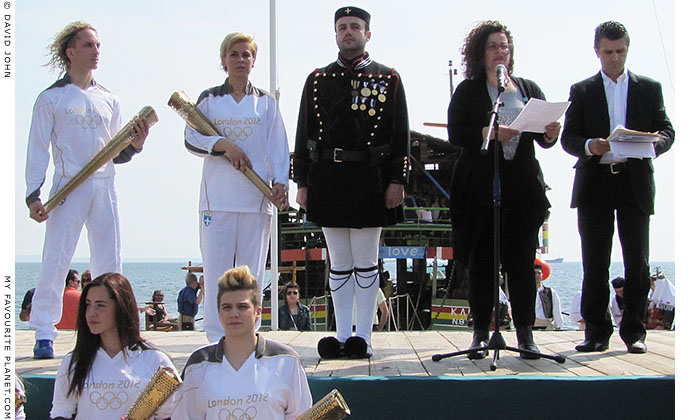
[
  {"x": 330, "y": 348},
  {"x": 638, "y": 347},
  {"x": 590, "y": 345},
  {"x": 357, "y": 348},
  {"x": 526, "y": 342},
  {"x": 480, "y": 338}
]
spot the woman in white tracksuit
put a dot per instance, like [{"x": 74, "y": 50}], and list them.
[
  {"x": 111, "y": 363},
  {"x": 234, "y": 216}
]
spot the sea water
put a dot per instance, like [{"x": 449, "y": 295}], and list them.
[{"x": 145, "y": 277}]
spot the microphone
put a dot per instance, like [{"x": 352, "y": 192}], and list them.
[{"x": 502, "y": 77}]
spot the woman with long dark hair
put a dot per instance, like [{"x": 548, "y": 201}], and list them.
[
  {"x": 523, "y": 202},
  {"x": 111, "y": 363}
]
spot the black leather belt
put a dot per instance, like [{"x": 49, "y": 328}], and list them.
[
  {"x": 617, "y": 167},
  {"x": 339, "y": 155}
]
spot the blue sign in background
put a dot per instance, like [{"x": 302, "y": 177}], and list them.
[{"x": 415, "y": 252}]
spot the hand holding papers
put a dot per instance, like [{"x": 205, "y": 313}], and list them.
[
  {"x": 537, "y": 114},
  {"x": 632, "y": 144}
]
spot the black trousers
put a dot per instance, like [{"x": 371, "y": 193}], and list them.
[
  {"x": 518, "y": 240},
  {"x": 613, "y": 198}
]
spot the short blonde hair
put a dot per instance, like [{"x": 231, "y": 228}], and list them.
[
  {"x": 63, "y": 40},
  {"x": 234, "y": 38},
  {"x": 239, "y": 278}
]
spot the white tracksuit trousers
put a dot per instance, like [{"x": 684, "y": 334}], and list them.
[
  {"x": 93, "y": 203},
  {"x": 230, "y": 239}
]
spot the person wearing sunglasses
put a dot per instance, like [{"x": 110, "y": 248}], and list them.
[
  {"x": 85, "y": 278},
  {"x": 70, "y": 302},
  {"x": 293, "y": 315}
]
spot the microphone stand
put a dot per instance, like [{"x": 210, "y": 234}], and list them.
[{"x": 496, "y": 342}]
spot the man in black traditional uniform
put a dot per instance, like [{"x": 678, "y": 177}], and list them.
[{"x": 350, "y": 166}]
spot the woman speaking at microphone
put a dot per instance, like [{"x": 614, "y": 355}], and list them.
[
  {"x": 234, "y": 216},
  {"x": 524, "y": 203},
  {"x": 110, "y": 364}
]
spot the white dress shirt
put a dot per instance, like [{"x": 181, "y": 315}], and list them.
[{"x": 617, "y": 102}]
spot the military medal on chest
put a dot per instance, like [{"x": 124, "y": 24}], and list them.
[
  {"x": 369, "y": 93},
  {"x": 355, "y": 94},
  {"x": 365, "y": 90}
]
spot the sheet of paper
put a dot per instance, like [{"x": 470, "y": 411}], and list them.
[
  {"x": 537, "y": 114},
  {"x": 623, "y": 134},
  {"x": 632, "y": 144},
  {"x": 632, "y": 149}
]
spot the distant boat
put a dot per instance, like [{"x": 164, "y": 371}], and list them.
[{"x": 555, "y": 261}]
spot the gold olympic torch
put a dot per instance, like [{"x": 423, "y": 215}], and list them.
[
  {"x": 185, "y": 108},
  {"x": 161, "y": 386},
  {"x": 118, "y": 143},
  {"x": 330, "y": 407}
]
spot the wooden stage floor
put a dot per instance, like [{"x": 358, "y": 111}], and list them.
[{"x": 408, "y": 353}]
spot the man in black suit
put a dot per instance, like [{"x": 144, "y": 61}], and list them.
[{"x": 607, "y": 185}]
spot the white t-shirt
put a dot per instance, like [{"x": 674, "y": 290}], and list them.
[
  {"x": 425, "y": 215},
  {"x": 76, "y": 124},
  {"x": 271, "y": 384},
  {"x": 556, "y": 306},
  {"x": 575, "y": 315},
  {"x": 616, "y": 311},
  {"x": 111, "y": 387},
  {"x": 256, "y": 126}
]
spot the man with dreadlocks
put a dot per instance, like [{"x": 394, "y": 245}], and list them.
[{"x": 75, "y": 117}]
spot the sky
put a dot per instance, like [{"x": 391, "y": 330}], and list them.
[{"x": 152, "y": 48}]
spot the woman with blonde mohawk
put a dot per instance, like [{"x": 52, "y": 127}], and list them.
[{"x": 243, "y": 375}]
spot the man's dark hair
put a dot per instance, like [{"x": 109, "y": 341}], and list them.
[
  {"x": 618, "y": 282},
  {"x": 71, "y": 274},
  {"x": 610, "y": 30}
]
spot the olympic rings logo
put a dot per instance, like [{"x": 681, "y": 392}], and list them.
[
  {"x": 238, "y": 133},
  {"x": 108, "y": 399},
  {"x": 238, "y": 414},
  {"x": 88, "y": 121}
]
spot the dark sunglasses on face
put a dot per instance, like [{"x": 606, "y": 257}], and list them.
[{"x": 292, "y": 292}]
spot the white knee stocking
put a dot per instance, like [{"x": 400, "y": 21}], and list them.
[
  {"x": 366, "y": 290},
  {"x": 353, "y": 250}
]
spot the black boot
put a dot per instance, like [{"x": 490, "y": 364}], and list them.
[
  {"x": 357, "y": 348},
  {"x": 330, "y": 348},
  {"x": 526, "y": 342},
  {"x": 480, "y": 338}
]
